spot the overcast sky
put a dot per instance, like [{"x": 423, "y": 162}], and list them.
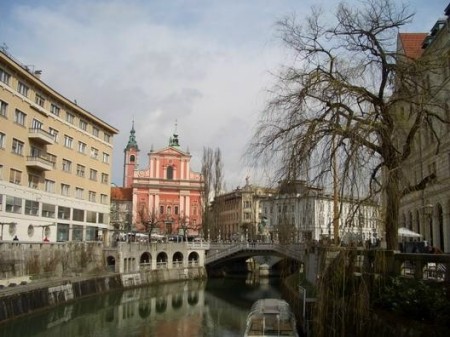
[{"x": 203, "y": 63}]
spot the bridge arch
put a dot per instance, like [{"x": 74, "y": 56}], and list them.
[
  {"x": 177, "y": 259},
  {"x": 162, "y": 259}
]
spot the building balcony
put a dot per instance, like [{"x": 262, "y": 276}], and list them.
[
  {"x": 41, "y": 136},
  {"x": 40, "y": 163}
]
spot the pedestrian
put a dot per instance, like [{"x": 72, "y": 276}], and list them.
[{"x": 15, "y": 238}]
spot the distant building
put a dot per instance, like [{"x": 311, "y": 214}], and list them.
[
  {"x": 55, "y": 162},
  {"x": 299, "y": 212},
  {"x": 121, "y": 210},
  {"x": 167, "y": 194},
  {"x": 427, "y": 211},
  {"x": 236, "y": 216}
]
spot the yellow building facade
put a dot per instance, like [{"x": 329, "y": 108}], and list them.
[{"x": 55, "y": 162}]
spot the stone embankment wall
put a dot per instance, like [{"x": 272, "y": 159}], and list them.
[
  {"x": 35, "y": 276},
  {"x": 36, "y": 260}
]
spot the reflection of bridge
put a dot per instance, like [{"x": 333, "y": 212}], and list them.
[{"x": 225, "y": 252}]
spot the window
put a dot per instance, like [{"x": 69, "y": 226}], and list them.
[
  {"x": 92, "y": 196},
  {"x": 49, "y": 186},
  {"x": 65, "y": 189},
  {"x": 161, "y": 209},
  {"x": 2, "y": 140},
  {"x": 19, "y": 117},
  {"x": 80, "y": 170},
  {"x": 91, "y": 216},
  {"x": 54, "y": 133},
  {"x": 102, "y": 218},
  {"x": 62, "y": 232},
  {"x": 78, "y": 215},
  {"x": 169, "y": 173},
  {"x": 77, "y": 233},
  {"x": 15, "y": 176},
  {"x": 103, "y": 198},
  {"x": 39, "y": 100},
  {"x": 69, "y": 117},
  {"x": 83, "y": 125},
  {"x": 3, "y": 109},
  {"x": 31, "y": 207},
  {"x": 81, "y": 147},
  {"x": 22, "y": 89},
  {"x": 33, "y": 181},
  {"x": 68, "y": 141},
  {"x": 63, "y": 212},
  {"x": 93, "y": 174},
  {"x": 94, "y": 153},
  {"x": 13, "y": 204},
  {"x": 4, "y": 76},
  {"x": 36, "y": 124},
  {"x": 66, "y": 165},
  {"x": 176, "y": 210},
  {"x": 54, "y": 109},
  {"x": 107, "y": 138},
  {"x": 17, "y": 147},
  {"x": 105, "y": 178},
  {"x": 48, "y": 210},
  {"x": 51, "y": 158},
  {"x": 105, "y": 157},
  {"x": 95, "y": 131},
  {"x": 79, "y": 193}
]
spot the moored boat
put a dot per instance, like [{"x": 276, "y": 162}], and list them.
[{"x": 271, "y": 317}]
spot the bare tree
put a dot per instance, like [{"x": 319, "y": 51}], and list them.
[
  {"x": 212, "y": 172},
  {"x": 218, "y": 172},
  {"x": 339, "y": 103},
  {"x": 207, "y": 176},
  {"x": 148, "y": 221}
]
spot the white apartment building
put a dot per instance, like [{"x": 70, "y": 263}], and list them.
[
  {"x": 300, "y": 212},
  {"x": 55, "y": 162}
]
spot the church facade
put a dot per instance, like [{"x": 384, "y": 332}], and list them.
[{"x": 167, "y": 194}]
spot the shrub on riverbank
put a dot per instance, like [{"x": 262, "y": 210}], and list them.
[{"x": 415, "y": 299}]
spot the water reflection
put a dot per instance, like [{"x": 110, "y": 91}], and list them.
[{"x": 194, "y": 308}]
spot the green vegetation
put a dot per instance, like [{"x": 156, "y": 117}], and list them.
[{"x": 415, "y": 299}]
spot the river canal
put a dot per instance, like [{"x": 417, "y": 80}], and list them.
[{"x": 216, "y": 307}]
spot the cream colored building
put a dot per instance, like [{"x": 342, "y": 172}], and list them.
[
  {"x": 237, "y": 214},
  {"x": 427, "y": 211},
  {"x": 300, "y": 212},
  {"x": 55, "y": 162}
]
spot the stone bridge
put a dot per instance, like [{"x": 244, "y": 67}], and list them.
[{"x": 219, "y": 253}]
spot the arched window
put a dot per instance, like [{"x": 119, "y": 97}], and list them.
[
  {"x": 169, "y": 173},
  {"x": 132, "y": 158}
]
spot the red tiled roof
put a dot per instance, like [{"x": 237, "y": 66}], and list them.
[
  {"x": 121, "y": 193},
  {"x": 411, "y": 44}
]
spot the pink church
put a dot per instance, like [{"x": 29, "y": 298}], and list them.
[{"x": 167, "y": 195}]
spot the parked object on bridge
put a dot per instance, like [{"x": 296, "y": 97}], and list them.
[{"x": 270, "y": 317}]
